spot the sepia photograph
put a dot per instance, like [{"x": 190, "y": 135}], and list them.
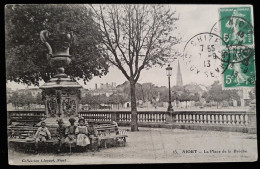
[{"x": 130, "y": 83}]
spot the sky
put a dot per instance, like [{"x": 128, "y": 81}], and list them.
[{"x": 194, "y": 19}]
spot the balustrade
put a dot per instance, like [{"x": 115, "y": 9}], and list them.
[
  {"x": 218, "y": 118},
  {"x": 212, "y": 118},
  {"x": 181, "y": 117},
  {"x": 125, "y": 116}
]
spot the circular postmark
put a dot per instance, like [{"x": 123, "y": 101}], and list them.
[
  {"x": 235, "y": 30},
  {"x": 227, "y": 50},
  {"x": 241, "y": 54},
  {"x": 238, "y": 33},
  {"x": 205, "y": 54}
]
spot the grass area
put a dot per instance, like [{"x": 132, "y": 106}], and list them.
[{"x": 159, "y": 145}]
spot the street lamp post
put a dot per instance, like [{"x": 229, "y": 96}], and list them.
[{"x": 169, "y": 73}]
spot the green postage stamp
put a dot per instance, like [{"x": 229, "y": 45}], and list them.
[
  {"x": 236, "y": 30},
  {"x": 240, "y": 73},
  {"x": 236, "y": 26}
]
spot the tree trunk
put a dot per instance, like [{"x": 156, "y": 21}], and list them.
[{"x": 134, "y": 126}]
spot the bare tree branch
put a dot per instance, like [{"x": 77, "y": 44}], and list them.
[{"x": 136, "y": 35}]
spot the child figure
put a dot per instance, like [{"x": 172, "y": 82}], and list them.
[
  {"x": 94, "y": 140},
  {"x": 82, "y": 134},
  {"x": 70, "y": 132},
  {"x": 41, "y": 135},
  {"x": 61, "y": 134}
]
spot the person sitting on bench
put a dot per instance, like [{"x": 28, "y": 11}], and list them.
[
  {"x": 60, "y": 134},
  {"x": 82, "y": 134},
  {"x": 70, "y": 133},
  {"x": 93, "y": 136},
  {"x": 41, "y": 135}
]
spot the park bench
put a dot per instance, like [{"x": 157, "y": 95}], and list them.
[
  {"x": 21, "y": 138},
  {"x": 108, "y": 131},
  {"x": 105, "y": 132}
]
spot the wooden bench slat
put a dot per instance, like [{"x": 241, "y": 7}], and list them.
[
  {"x": 105, "y": 132},
  {"x": 113, "y": 136}
]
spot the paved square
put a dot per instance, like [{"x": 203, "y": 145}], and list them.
[{"x": 159, "y": 145}]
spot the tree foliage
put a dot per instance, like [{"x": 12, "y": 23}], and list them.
[
  {"x": 26, "y": 55},
  {"x": 217, "y": 94},
  {"x": 96, "y": 100},
  {"x": 25, "y": 99},
  {"x": 195, "y": 97},
  {"x": 150, "y": 91},
  {"x": 38, "y": 99}
]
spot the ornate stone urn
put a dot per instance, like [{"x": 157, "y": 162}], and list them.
[{"x": 61, "y": 94}]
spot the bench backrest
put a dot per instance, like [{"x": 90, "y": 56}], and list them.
[
  {"x": 106, "y": 129},
  {"x": 26, "y": 131},
  {"x": 26, "y": 116}
]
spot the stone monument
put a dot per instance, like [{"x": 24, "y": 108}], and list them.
[{"x": 61, "y": 94}]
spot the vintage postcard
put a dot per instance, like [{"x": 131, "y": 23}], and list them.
[{"x": 130, "y": 83}]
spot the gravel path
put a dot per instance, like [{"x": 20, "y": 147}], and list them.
[{"x": 158, "y": 145}]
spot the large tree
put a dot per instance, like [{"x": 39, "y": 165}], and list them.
[
  {"x": 22, "y": 99},
  {"x": 149, "y": 91},
  {"x": 217, "y": 94},
  {"x": 185, "y": 96},
  {"x": 26, "y": 55},
  {"x": 136, "y": 37},
  {"x": 38, "y": 99},
  {"x": 14, "y": 99}
]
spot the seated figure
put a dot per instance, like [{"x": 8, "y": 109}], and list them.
[
  {"x": 70, "y": 133},
  {"x": 60, "y": 134},
  {"x": 82, "y": 134},
  {"x": 41, "y": 135},
  {"x": 93, "y": 136}
]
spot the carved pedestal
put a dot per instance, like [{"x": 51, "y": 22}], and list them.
[{"x": 61, "y": 102}]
